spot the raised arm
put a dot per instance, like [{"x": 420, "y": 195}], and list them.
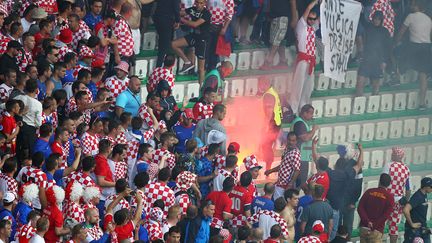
[{"x": 309, "y": 8}]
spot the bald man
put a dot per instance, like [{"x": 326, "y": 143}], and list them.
[{"x": 215, "y": 79}]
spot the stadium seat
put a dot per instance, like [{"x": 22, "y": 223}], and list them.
[
  {"x": 373, "y": 104},
  {"x": 243, "y": 62},
  {"x": 141, "y": 68},
  {"x": 330, "y": 109},
  {"x": 280, "y": 83},
  {"x": 178, "y": 92},
  {"x": 258, "y": 58},
  {"x": 233, "y": 60},
  {"x": 366, "y": 160},
  {"x": 419, "y": 156},
  {"x": 251, "y": 88},
  {"x": 386, "y": 102},
  {"x": 339, "y": 134},
  {"x": 409, "y": 128},
  {"x": 400, "y": 102},
  {"x": 350, "y": 79},
  {"x": 151, "y": 65},
  {"x": 377, "y": 159},
  {"x": 409, "y": 76},
  {"x": 332, "y": 160},
  {"x": 225, "y": 92},
  {"x": 429, "y": 99},
  {"x": 415, "y": 183},
  {"x": 353, "y": 133},
  {"x": 429, "y": 154},
  {"x": 318, "y": 105},
  {"x": 408, "y": 155},
  {"x": 335, "y": 84},
  {"x": 237, "y": 87},
  {"x": 323, "y": 82},
  {"x": 193, "y": 90},
  {"x": 395, "y": 129},
  {"x": 176, "y": 65},
  {"x": 412, "y": 100},
  {"x": 359, "y": 105},
  {"x": 382, "y": 130},
  {"x": 429, "y": 212},
  {"x": 149, "y": 42},
  {"x": 368, "y": 130},
  {"x": 372, "y": 184},
  {"x": 388, "y": 154},
  {"x": 344, "y": 106},
  {"x": 325, "y": 135},
  {"x": 423, "y": 126},
  {"x": 143, "y": 92}
]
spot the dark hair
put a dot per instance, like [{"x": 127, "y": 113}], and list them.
[
  {"x": 213, "y": 149},
  {"x": 137, "y": 122},
  {"x": 104, "y": 145},
  {"x": 4, "y": 222},
  {"x": 38, "y": 159},
  {"x": 31, "y": 86},
  {"x": 176, "y": 171},
  {"x": 169, "y": 60},
  {"x": 124, "y": 117},
  {"x": 93, "y": 41},
  {"x": 68, "y": 57},
  {"x": 14, "y": 27},
  {"x": 75, "y": 115},
  {"x": 191, "y": 145},
  {"x": 26, "y": 35},
  {"x": 121, "y": 185},
  {"x": 159, "y": 204},
  {"x": 59, "y": 131},
  {"x": 243, "y": 232},
  {"x": 113, "y": 124},
  {"x": 322, "y": 163},
  {"x": 44, "y": 23},
  {"x": 218, "y": 108},
  {"x": 209, "y": 90},
  {"x": 245, "y": 179},
  {"x": 96, "y": 72},
  {"x": 341, "y": 164},
  {"x": 318, "y": 191},
  {"x": 384, "y": 180},
  {"x": 275, "y": 231},
  {"x": 118, "y": 149},
  {"x": 10, "y": 105},
  {"x": 47, "y": 42},
  {"x": 33, "y": 214},
  {"x": 121, "y": 216},
  {"x": 151, "y": 96},
  {"x": 164, "y": 174},
  {"x": 231, "y": 161},
  {"x": 342, "y": 230},
  {"x": 45, "y": 130},
  {"x": 306, "y": 108},
  {"x": 88, "y": 163},
  {"x": 79, "y": 95},
  {"x": 279, "y": 204},
  {"x": 47, "y": 102},
  {"x": 9, "y": 165},
  {"x": 228, "y": 184},
  {"x": 141, "y": 179},
  {"x": 100, "y": 92},
  {"x": 74, "y": 15},
  {"x": 29, "y": 9},
  {"x": 51, "y": 161},
  {"x": 50, "y": 49},
  {"x": 290, "y": 193},
  {"x": 42, "y": 67},
  {"x": 165, "y": 136},
  {"x": 83, "y": 73},
  {"x": 42, "y": 224},
  {"x": 77, "y": 229},
  {"x": 63, "y": 6},
  {"x": 174, "y": 229},
  {"x": 143, "y": 148}
]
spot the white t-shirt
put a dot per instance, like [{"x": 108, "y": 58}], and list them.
[
  {"x": 419, "y": 26},
  {"x": 301, "y": 33},
  {"x": 265, "y": 223},
  {"x": 26, "y": 25},
  {"x": 218, "y": 181},
  {"x": 37, "y": 239}
]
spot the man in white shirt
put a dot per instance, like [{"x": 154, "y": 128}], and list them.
[
  {"x": 226, "y": 171},
  {"x": 41, "y": 228}
]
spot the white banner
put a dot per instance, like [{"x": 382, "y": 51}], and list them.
[{"x": 339, "y": 19}]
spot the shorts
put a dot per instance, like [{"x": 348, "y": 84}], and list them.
[
  {"x": 370, "y": 69},
  {"x": 420, "y": 56},
  {"x": 278, "y": 30},
  {"x": 199, "y": 43}
]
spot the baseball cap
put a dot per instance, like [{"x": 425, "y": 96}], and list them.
[
  {"x": 427, "y": 181},
  {"x": 9, "y": 197},
  {"x": 187, "y": 113},
  {"x": 318, "y": 226},
  {"x": 215, "y": 136},
  {"x": 234, "y": 146}
]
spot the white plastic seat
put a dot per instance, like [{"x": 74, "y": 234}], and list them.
[
  {"x": 412, "y": 100},
  {"x": 291, "y": 55},
  {"x": 409, "y": 76},
  {"x": 368, "y": 130},
  {"x": 388, "y": 156},
  {"x": 344, "y": 107},
  {"x": 386, "y": 102},
  {"x": 366, "y": 160},
  {"x": 151, "y": 65},
  {"x": 423, "y": 126},
  {"x": 339, "y": 134},
  {"x": 330, "y": 109},
  {"x": 372, "y": 184},
  {"x": 350, "y": 79},
  {"x": 149, "y": 42},
  {"x": 237, "y": 87},
  {"x": 400, "y": 101},
  {"x": 141, "y": 68},
  {"x": 373, "y": 104},
  {"x": 178, "y": 92},
  {"x": 233, "y": 59},
  {"x": 409, "y": 128},
  {"x": 428, "y": 100},
  {"x": 243, "y": 62},
  {"x": 258, "y": 58},
  {"x": 318, "y": 108},
  {"x": 419, "y": 156},
  {"x": 225, "y": 93},
  {"x": 280, "y": 84},
  {"x": 335, "y": 84},
  {"x": 332, "y": 160},
  {"x": 325, "y": 135},
  {"x": 415, "y": 183},
  {"x": 251, "y": 87},
  {"x": 143, "y": 92},
  {"x": 323, "y": 82},
  {"x": 382, "y": 130},
  {"x": 377, "y": 159},
  {"x": 408, "y": 155},
  {"x": 429, "y": 154},
  {"x": 193, "y": 90},
  {"x": 353, "y": 133},
  {"x": 395, "y": 129},
  {"x": 359, "y": 106}
]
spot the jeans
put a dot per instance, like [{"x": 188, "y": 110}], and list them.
[
  {"x": 211, "y": 58},
  {"x": 411, "y": 234},
  {"x": 25, "y": 140},
  {"x": 165, "y": 29},
  {"x": 347, "y": 219},
  {"x": 101, "y": 208},
  {"x": 336, "y": 216}
]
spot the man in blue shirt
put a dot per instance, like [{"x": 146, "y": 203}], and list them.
[
  {"x": 184, "y": 130},
  {"x": 94, "y": 16},
  {"x": 264, "y": 202},
  {"x": 43, "y": 142},
  {"x": 6, "y": 212},
  {"x": 130, "y": 99},
  {"x": 204, "y": 169},
  {"x": 303, "y": 203}
]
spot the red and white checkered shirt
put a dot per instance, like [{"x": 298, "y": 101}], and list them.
[
  {"x": 25, "y": 233},
  {"x": 124, "y": 35},
  {"x": 221, "y": 11},
  {"x": 73, "y": 211},
  {"x": 158, "y": 74},
  {"x": 116, "y": 85},
  {"x": 50, "y": 6},
  {"x": 120, "y": 170},
  {"x": 34, "y": 175},
  {"x": 63, "y": 51},
  {"x": 399, "y": 174},
  {"x": 159, "y": 153},
  {"x": 23, "y": 60},
  {"x": 5, "y": 91},
  {"x": 158, "y": 190},
  {"x": 310, "y": 41},
  {"x": 121, "y": 138},
  {"x": 112, "y": 140},
  {"x": 389, "y": 14},
  {"x": 266, "y": 213},
  {"x": 78, "y": 68},
  {"x": 309, "y": 239},
  {"x": 145, "y": 116},
  {"x": 183, "y": 201},
  {"x": 289, "y": 164},
  {"x": 8, "y": 184},
  {"x": 134, "y": 202},
  {"x": 154, "y": 230},
  {"x": 82, "y": 33},
  {"x": 71, "y": 105},
  {"x": 94, "y": 233},
  {"x": 63, "y": 23},
  {"x": 90, "y": 144},
  {"x": 202, "y": 111},
  {"x": 84, "y": 179},
  {"x": 122, "y": 204},
  {"x": 219, "y": 162}
]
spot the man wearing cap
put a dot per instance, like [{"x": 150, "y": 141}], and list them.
[
  {"x": 63, "y": 42},
  {"x": 252, "y": 165},
  {"x": 9, "y": 202},
  {"x": 9, "y": 59},
  {"x": 184, "y": 130},
  {"x": 119, "y": 82},
  {"x": 289, "y": 168},
  {"x": 130, "y": 99},
  {"x": 399, "y": 188},
  {"x": 415, "y": 212},
  {"x": 85, "y": 58},
  {"x": 315, "y": 237}
]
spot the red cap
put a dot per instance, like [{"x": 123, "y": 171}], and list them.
[
  {"x": 187, "y": 113},
  {"x": 65, "y": 36},
  {"x": 98, "y": 63},
  {"x": 234, "y": 147}
]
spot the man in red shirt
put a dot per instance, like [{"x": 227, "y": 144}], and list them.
[
  {"x": 374, "y": 209},
  {"x": 10, "y": 128},
  {"x": 241, "y": 199},
  {"x": 45, "y": 27},
  {"x": 321, "y": 177},
  {"x": 55, "y": 196},
  {"x": 104, "y": 176},
  {"x": 223, "y": 204}
]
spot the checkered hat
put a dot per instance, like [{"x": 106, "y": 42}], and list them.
[
  {"x": 251, "y": 162},
  {"x": 318, "y": 226},
  {"x": 156, "y": 214},
  {"x": 152, "y": 170},
  {"x": 124, "y": 66},
  {"x": 185, "y": 180},
  {"x": 225, "y": 234},
  {"x": 85, "y": 52},
  {"x": 398, "y": 152},
  {"x": 418, "y": 240},
  {"x": 162, "y": 125},
  {"x": 3, "y": 9}
]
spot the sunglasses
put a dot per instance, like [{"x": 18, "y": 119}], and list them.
[{"x": 312, "y": 19}]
